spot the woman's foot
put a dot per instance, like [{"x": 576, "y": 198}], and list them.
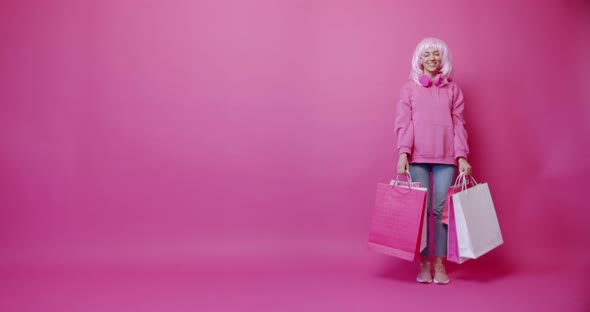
[
  {"x": 440, "y": 275},
  {"x": 424, "y": 276}
]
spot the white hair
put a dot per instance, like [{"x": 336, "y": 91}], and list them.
[{"x": 445, "y": 58}]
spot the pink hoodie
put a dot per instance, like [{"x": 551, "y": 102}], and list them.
[{"x": 429, "y": 124}]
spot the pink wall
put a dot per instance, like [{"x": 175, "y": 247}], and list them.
[{"x": 164, "y": 131}]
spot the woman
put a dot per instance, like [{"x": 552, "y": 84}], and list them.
[{"x": 432, "y": 139}]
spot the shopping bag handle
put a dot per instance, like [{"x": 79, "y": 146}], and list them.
[
  {"x": 408, "y": 178},
  {"x": 462, "y": 180}
]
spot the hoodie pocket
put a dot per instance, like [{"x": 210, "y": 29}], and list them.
[{"x": 434, "y": 141}]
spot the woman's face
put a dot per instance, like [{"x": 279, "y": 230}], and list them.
[{"x": 431, "y": 60}]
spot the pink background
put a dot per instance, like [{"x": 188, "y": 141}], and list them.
[{"x": 218, "y": 135}]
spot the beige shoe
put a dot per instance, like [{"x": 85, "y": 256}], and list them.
[
  {"x": 440, "y": 275},
  {"x": 424, "y": 276}
]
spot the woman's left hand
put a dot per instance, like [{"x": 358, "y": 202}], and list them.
[{"x": 464, "y": 166}]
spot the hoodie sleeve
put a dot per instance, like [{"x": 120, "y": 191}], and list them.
[
  {"x": 404, "y": 125},
  {"x": 460, "y": 134}
]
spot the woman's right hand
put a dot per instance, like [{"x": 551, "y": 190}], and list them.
[{"x": 402, "y": 164}]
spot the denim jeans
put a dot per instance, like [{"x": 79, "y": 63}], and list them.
[{"x": 443, "y": 177}]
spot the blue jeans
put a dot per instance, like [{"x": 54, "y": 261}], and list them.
[{"x": 443, "y": 177}]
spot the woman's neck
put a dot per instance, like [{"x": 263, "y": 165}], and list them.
[{"x": 431, "y": 75}]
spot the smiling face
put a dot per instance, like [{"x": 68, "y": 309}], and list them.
[{"x": 431, "y": 61}]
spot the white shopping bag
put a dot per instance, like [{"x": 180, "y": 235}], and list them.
[{"x": 478, "y": 230}]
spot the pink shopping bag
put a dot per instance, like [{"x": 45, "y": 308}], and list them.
[
  {"x": 460, "y": 182},
  {"x": 452, "y": 245},
  {"x": 397, "y": 222},
  {"x": 445, "y": 216}
]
